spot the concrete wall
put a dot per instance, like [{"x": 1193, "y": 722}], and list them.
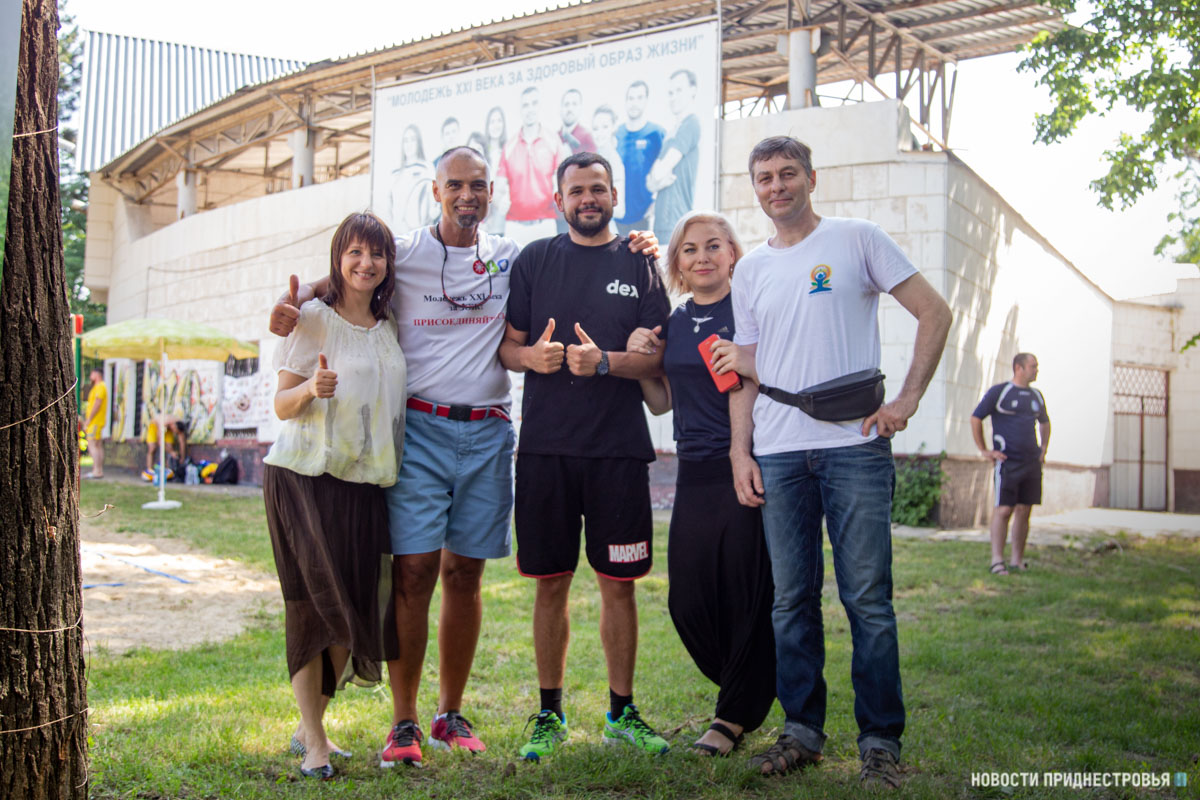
[
  {"x": 1185, "y": 402},
  {"x": 1185, "y": 380},
  {"x": 1012, "y": 292},
  {"x": 226, "y": 266},
  {"x": 1009, "y": 289},
  {"x": 872, "y": 173}
]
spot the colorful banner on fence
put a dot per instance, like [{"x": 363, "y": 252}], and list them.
[{"x": 193, "y": 395}]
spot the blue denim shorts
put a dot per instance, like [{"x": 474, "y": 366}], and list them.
[{"x": 455, "y": 488}]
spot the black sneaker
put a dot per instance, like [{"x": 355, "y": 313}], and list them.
[{"x": 880, "y": 770}]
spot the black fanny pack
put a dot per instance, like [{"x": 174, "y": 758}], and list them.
[{"x": 852, "y": 396}]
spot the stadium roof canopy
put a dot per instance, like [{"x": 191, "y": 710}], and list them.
[{"x": 244, "y": 134}]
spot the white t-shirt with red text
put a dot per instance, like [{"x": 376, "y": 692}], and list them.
[
  {"x": 452, "y": 352},
  {"x": 812, "y": 310}
]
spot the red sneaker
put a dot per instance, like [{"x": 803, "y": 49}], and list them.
[
  {"x": 452, "y": 729},
  {"x": 403, "y": 745}
]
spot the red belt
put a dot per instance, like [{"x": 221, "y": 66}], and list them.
[{"x": 458, "y": 413}]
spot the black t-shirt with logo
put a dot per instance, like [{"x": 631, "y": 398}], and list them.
[
  {"x": 701, "y": 411},
  {"x": 609, "y": 291}
]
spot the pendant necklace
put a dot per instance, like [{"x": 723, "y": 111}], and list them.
[{"x": 695, "y": 319}]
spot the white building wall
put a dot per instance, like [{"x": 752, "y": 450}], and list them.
[
  {"x": 226, "y": 266},
  {"x": 865, "y": 167},
  {"x": 1144, "y": 334},
  {"x": 1012, "y": 292},
  {"x": 1185, "y": 381}
]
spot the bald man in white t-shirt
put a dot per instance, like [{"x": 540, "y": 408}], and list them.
[{"x": 805, "y": 304}]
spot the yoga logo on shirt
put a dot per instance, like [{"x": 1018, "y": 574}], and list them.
[
  {"x": 820, "y": 279},
  {"x": 494, "y": 267}
]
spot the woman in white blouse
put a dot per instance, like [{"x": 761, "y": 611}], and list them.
[{"x": 341, "y": 395}]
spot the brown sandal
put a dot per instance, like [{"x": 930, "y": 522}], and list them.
[{"x": 786, "y": 755}]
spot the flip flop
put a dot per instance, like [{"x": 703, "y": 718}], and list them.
[
  {"x": 998, "y": 568},
  {"x": 297, "y": 747}
]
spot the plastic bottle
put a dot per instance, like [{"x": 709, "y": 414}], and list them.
[{"x": 191, "y": 475}]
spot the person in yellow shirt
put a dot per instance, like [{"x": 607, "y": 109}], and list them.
[
  {"x": 93, "y": 422},
  {"x": 174, "y": 438}
]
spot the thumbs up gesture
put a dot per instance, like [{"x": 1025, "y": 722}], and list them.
[
  {"x": 546, "y": 356},
  {"x": 286, "y": 311},
  {"x": 583, "y": 358},
  {"x": 324, "y": 380}
]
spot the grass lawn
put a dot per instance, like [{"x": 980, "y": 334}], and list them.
[{"x": 1087, "y": 663}]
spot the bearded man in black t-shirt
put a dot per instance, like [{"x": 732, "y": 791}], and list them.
[{"x": 585, "y": 447}]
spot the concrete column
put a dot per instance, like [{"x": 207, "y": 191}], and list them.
[
  {"x": 185, "y": 200},
  {"x": 304, "y": 151},
  {"x": 802, "y": 46}
]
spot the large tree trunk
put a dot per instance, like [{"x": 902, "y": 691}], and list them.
[{"x": 43, "y": 693}]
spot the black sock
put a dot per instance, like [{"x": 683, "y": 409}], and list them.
[
  {"x": 552, "y": 701},
  {"x": 617, "y": 703}
]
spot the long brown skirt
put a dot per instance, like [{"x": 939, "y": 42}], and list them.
[{"x": 330, "y": 539}]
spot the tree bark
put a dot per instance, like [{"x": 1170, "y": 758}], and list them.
[{"x": 42, "y": 672}]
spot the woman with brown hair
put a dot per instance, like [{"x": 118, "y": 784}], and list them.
[{"x": 341, "y": 396}]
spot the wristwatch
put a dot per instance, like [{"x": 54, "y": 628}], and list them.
[{"x": 602, "y": 367}]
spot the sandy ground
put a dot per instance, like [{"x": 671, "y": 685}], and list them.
[{"x": 168, "y": 597}]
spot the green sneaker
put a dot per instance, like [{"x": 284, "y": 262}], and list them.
[
  {"x": 548, "y": 730},
  {"x": 633, "y": 729}
]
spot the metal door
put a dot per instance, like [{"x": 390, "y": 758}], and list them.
[{"x": 1139, "y": 471}]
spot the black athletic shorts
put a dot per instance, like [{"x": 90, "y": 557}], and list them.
[
  {"x": 1018, "y": 483},
  {"x": 553, "y": 495}
]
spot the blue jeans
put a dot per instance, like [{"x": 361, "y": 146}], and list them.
[{"x": 852, "y": 488}]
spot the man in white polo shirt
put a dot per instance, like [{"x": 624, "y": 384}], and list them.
[{"x": 805, "y": 304}]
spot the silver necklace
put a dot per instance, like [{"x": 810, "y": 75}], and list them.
[{"x": 698, "y": 320}]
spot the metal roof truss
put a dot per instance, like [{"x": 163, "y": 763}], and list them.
[{"x": 244, "y": 137}]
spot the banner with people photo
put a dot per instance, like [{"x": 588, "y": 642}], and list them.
[{"x": 646, "y": 103}]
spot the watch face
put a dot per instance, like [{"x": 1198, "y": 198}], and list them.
[{"x": 602, "y": 367}]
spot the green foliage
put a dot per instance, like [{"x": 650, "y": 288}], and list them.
[
  {"x": 919, "y": 482},
  {"x": 70, "y": 66},
  {"x": 72, "y": 186},
  {"x": 1144, "y": 54}
]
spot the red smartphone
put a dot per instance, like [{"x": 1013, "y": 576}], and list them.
[{"x": 726, "y": 382}]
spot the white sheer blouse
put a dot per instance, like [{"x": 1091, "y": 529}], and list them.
[{"x": 358, "y": 434}]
